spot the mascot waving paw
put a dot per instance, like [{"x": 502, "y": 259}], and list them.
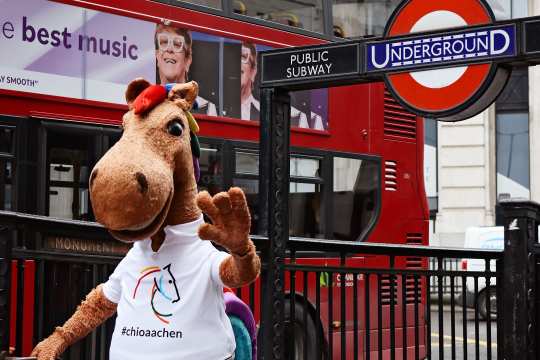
[{"x": 168, "y": 290}]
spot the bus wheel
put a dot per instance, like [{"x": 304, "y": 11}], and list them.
[
  {"x": 481, "y": 305},
  {"x": 300, "y": 336}
]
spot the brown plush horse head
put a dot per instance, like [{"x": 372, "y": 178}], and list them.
[{"x": 147, "y": 179}]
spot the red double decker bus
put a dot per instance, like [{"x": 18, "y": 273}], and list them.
[{"x": 356, "y": 158}]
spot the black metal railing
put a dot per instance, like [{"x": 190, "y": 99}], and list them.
[
  {"x": 380, "y": 307},
  {"x": 342, "y": 300}
]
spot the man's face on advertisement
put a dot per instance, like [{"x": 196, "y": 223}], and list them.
[
  {"x": 171, "y": 56},
  {"x": 247, "y": 69}
]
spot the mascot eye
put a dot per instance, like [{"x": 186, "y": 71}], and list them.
[{"x": 175, "y": 128}]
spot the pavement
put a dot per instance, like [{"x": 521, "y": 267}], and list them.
[{"x": 465, "y": 344}]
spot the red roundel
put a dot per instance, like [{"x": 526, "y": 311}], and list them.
[{"x": 453, "y": 93}]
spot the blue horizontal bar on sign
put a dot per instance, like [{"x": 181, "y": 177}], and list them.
[{"x": 480, "y": 44}]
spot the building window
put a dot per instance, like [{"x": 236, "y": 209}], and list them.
[
  {"x": 513, "y": 155},
  {"x": 509, "y": 9},
  {"x": 359, "y": 18},
  {"x": 355, "y": 197},
  {"x": 512, "y": 132},
  {"x": 306, "y": 14}
]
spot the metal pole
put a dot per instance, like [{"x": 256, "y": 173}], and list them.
[
  {"x": 521, "y": 219},
  {"x": 275, "y": 130}
]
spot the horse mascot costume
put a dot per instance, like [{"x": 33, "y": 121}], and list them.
[{"x": 168, "y": 290}]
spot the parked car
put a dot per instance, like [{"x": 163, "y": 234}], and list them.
[{"x": 477, "y": 237}]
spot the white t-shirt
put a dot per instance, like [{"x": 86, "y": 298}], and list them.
[{"x": 170, "y": 302}]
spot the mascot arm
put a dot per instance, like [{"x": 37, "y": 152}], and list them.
[
  {"x": 239, "y": 270},
  {"x": 93, "y": 311},
  {"x": 230, "y": 226}
]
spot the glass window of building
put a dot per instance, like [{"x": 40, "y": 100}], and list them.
[
  {"x": 512, "y": 138},
  {"x": 216, "y": 4},
  {"x": 306, "y": 14},
  {"x": 508, "y": 9},
  {"x": 355, "y": 197},
  {"x": 513, "y": 155},
  {"x": 358, "y": 18}
]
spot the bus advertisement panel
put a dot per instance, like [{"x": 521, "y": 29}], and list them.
[{"x": 67, "y": 51}]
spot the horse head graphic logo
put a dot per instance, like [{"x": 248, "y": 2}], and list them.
[{"x": 163, "y": 284}]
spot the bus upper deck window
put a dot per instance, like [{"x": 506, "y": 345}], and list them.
[
  {"x": 358, "y": 18},
  {"x": 216, "y": 4},
  {"x": 306, "y": 14}
]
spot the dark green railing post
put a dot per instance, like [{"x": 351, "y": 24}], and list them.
[
  {"x": 519, "y": 313},
  {"x": 274, "y": 175}
]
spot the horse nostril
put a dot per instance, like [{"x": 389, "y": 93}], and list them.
[
  {"x": 93, "y": 176},
  {"x": 143, "y": 183}
]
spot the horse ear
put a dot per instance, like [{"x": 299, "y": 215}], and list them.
[
  {"x": 184, "y": 95},
  {"x": 134, "y": 89}
]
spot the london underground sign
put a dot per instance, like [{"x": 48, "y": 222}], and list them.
[
  {"x": 442, "y": 59},
  {"x": 453, "y": 93}
]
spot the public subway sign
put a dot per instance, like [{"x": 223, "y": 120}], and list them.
[
  {"x": 316, "y": 63},
  {"x": 447, "y": 60},
  {"x": 442, "y": 49}
]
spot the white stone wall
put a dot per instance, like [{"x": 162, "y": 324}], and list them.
[{"x": 466, "y": 172}]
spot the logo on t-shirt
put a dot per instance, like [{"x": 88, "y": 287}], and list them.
[{"x": 164, "y": 291}]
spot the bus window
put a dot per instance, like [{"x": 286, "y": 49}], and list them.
[
  {"x": 6, "y": 184},
  {"x": 216, "y": 4},
  {"x": 357, "y": 18},
  {"x": 246, "y": 177},
  {"x": 305, "y": 198},
  {"x": 305, "y": 210},
  {"x": 68, "y": 166},
  {"x": 306, "y": 14},
  {"x": 247, "y": 163},
  {"x": 210, "y": 163},
  {"x": 355, "y": 197},
  {"x": 7, "y": 143},
  {"x": 7, "y": 152}
]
